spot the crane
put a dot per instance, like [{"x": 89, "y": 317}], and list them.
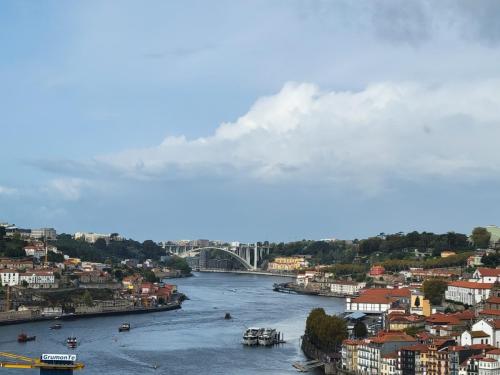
[{"x": 48, "y": 363}]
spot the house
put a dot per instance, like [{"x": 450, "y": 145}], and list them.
[
  {"x": 377, "y": 270},
  {"x": 370, "y": 352},
  {"x": 377, "y": 300},
  {"x": 468, "y": 292},
  {"x": 492, "y": 303},
  {"x": 486, "y": 275},
  {"x": 413, "y": 359},
  {"x": 389, "y": 363},
  {"x": 400, "y": 322},
  {"x": 350, "y": 354}
]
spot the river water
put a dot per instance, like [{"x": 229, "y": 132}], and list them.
[{"x": 193, "y": 340}]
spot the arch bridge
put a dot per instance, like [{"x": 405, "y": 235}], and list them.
[{"x": 248, "y": 256}]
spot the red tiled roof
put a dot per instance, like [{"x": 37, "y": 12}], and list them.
[
  {"x": 390, "y": 355},
  {"x": 490, "y": 312},
  {"x": 465, "y": 315},
  {"x": 382, "y": 295},
  {"x": 477, "y": 334},
  {"x": 416, "y": 348},
  {"x": 493, "y": 299},
  {"x": 470, "y": 284},
  {"x": 489, "y": 271},
  {"x": 440, "y": 318},
  {"x": 384, "y": 337},
  {"x": 488, "y": 360},
  {"x": 494, "y": 352},
  {"x": 482, "y": 346}
]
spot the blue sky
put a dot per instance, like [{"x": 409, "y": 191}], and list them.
[{"x": 249, "y": 120}]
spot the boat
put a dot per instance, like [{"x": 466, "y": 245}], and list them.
[
  {"x": 251, "y": 336},
  {"x": 268, "y": 337},
  {"x": 71, "y": 342},
  {"x": 56, "y": 326},
  {"x": 124, "y": 327},
  {"x": 23, "y": 337},
  {"x": 228, "y": 316}
]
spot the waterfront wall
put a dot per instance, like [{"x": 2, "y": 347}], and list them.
[
  {"x": 8, "y": 316},
  {"x": 313, "y": 352}
]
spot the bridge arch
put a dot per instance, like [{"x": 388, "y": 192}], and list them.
[{"x": 197, "y": 251}]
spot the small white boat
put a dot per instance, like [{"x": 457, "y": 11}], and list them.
[
  {"x": 267, "y": 337},
  {"x": 251, "y": 336}
]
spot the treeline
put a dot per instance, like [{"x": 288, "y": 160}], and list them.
[
  {"x": 11, "y": 247},
  {"x": 322, "y": 252},
  {"x": 115, "y": 250},
  {"x": 405, "y": 264},
  {"x": 396, "y": 244},
  {"x": 326, "y": 332}
]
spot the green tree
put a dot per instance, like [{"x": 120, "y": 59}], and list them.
[
  {"x": 481, "y": 237},
  {"x": 434, "y": 290},
  {"x": 417, "y": 301},
  {"x": 360, "y": 331},
  {"x": 326, "y": 332},
  {"x": 491, "y": 260},
  {"x": 100, "y": 244},
  {"x": 150, "y": 276},
  {"x": 24, "y": 284},
  {"x": 87, "y": 299}
]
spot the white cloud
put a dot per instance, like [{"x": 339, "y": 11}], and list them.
[
  {"x": 363, "y": 139},
  {"x": 69, "y": 189},
  {"x": 4, "y": 190}
]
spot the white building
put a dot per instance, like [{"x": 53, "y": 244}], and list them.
[
  {"x": 9, "y": 277},
  {"x": 486, "y": 275},
  {"x": 488, "y": 366},
  {"x": 347, "y": 288},
  {"x": 468, "y": 292},
  {"x": 38, "y": 279},
  {"x": 44, "y": 233},
  {"x": 484, "y": 331}
]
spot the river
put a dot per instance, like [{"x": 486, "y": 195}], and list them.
[{"x": 193, "y": 340}]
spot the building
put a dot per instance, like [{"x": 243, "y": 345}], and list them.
[
  {"x": 9, "y": 277},
  {"x": 412, "y": 360},
  {"x": 347, "y": 288},
  {"x": 486, "y": 275},
  {"x": 38, "y": 279},
  {"x": 92, "y": 237},
  {"x": 377, "y": 300},
  {"x": 370, "y": 352},
  {"x": 468, "y": 292},
  {"x": 288, "y": 264},
  {"x": 16, "y": 263},
  {"x": 388, "y": 364},
  {"x": 400, "y": 322},
  {"x": 377, "y": 270},
  {"x": 350, "y": 354},
  {"x": 419, "y": 305},
  {"x": 44, "y": 233}
]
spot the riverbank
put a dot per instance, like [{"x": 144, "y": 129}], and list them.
[
  {"x": 260, "y": 273},
  {"x": 173, "y": 305},
  {"x": 291, "y": 288}
]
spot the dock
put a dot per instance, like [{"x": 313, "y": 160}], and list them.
[{"x": 307, "y": 366}]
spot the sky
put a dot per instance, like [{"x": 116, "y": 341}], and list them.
[{"x": 250, "y": 120}]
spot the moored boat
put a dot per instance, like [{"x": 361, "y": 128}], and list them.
[
  {"x": 56, "y": 326},
  {"x": 23, "y": 337},
  {"x": 71, "y": 342},
  {"x": 268, "y": 337},
  {"x": 124, "y": 327},
  {"x": 251, "y": 336}
]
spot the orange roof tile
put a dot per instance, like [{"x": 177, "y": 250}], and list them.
[
  {"x": 489, "y": 271},
  {"x": 470, "y": 284}
]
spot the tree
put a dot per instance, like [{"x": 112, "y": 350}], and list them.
[
  {"x": 491, "y": 260},
  {"x": 417, "y": 302},
  {"x": 87, "y": 299},
  {"x": 434, "y": 290},
  {"x": 360, "y": 331},
  {"x": 2, "y": 232},
  {"x": 326, "y": 332},
  {"x": 24, "y": 284},
  {"x": 100, "y": 244},
  {"x": 481, "y": 237}
]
